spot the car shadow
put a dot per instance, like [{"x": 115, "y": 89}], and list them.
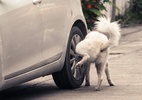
[
  {"x": 28, "y": 92},
  {"x": 46, "y": 91}
]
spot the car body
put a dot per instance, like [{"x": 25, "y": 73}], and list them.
[{"x": 34, "y": 37}]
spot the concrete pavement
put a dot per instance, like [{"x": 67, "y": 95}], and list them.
[
  {"x": 129, "y": 30},
  {"x": 126, "y": 64}
]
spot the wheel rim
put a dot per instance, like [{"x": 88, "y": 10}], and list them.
[{"x": 77, "y": 73}]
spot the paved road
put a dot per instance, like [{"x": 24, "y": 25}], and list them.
[{"x": 126, "y": 71}]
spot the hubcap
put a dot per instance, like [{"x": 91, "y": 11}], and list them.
[{"x": 74, "y": 58}]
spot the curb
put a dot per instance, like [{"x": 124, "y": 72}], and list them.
[{"x": 130, "y": 30}]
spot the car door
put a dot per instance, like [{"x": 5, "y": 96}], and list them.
[
  {"x": 57, "y": 16},
  {"x": 21, "y": 25}
]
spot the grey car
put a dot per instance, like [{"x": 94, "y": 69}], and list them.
[{"x": 38, "y": 38}]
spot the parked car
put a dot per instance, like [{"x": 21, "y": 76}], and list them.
[{"x": 38, "y": 38}]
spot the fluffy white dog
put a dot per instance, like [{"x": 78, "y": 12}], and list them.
[{"x": 95, "y": 48}]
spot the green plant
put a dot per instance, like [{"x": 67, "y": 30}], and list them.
[
  {"x": 133, "y": 15},
  {"x": 92, "y": 9}
]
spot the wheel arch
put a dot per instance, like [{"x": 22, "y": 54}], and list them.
[{"x": 80, "y": 24}]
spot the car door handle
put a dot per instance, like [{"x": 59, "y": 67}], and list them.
[{"x": 37, "y": 2}]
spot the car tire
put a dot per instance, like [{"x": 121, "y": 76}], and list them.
[{"x": 71, "y": 77}]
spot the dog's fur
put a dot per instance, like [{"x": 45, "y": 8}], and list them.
[{"x": 95, "y": 48}]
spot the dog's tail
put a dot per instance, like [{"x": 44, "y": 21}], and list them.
[{"x": 110, "y": 29}]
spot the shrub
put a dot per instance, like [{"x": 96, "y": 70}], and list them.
[
  {"x": 92, "y": 9},
  {"x": 133, "y": 14}
]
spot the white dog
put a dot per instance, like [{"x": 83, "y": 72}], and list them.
[{"x": 95, "y": 48}]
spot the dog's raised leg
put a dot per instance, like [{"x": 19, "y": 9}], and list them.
[
  {"x": 100, "y": 69},
  {"x": 87, "y": 75},
  {"x": 111, "y": 83},
  {"x": 83, "y": 60}
]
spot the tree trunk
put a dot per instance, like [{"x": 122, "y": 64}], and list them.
[{"x": 113, "y": 10}]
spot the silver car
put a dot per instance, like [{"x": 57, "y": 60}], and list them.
[{"x": 38, "y": 38}]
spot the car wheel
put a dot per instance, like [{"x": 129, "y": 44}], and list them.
[{"x": 71, "y": 77}]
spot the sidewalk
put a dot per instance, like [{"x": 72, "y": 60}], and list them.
[
  {"x": 126, "y": 66},
  {"x": 129, "y": 30}
]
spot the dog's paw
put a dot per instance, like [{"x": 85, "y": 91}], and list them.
[
  {"x": 111, "y": 83},
  {"x": 78, "y": 65},
  {"x": 97, "y": 89},
  {"x": 87, "y": 84}
]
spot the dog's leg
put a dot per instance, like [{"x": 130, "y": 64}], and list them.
[
  {"x": 85, "y": 58},
  {"x": 111, "y": 83},
  {"x": 87, "y": 75},
  {"x": 100, "y": 69}
]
